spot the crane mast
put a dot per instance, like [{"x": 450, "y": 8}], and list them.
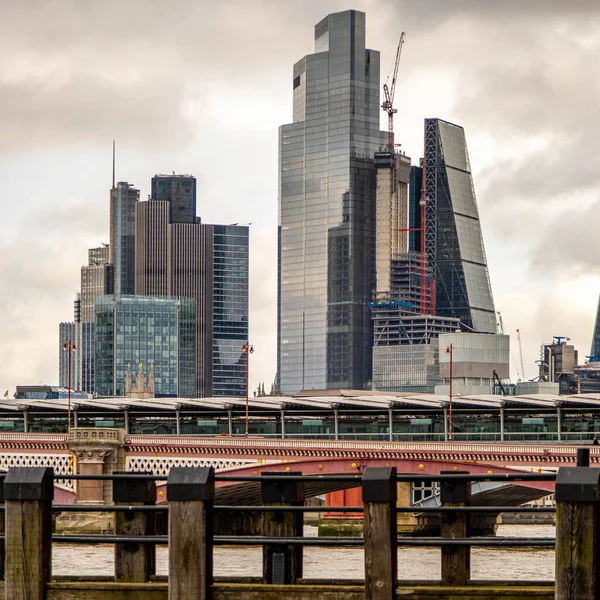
[
  {"x": 388, "y": 92},
  {"x": 521, "y": 354}
]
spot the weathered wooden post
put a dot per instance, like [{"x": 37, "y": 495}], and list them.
[
  {"x": 28, "y": 493},
  {"x": 379, "y": 492},
  {"x": 456, "y": 560},
  {"x": 282, "y": 563},
  {"x": 134, "y": 562},
  {"x": 191, "y": 493},
  {"x": 577, "y": 548}
]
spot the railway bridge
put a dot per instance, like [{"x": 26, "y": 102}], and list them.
[{"x": 96, "y": 451}]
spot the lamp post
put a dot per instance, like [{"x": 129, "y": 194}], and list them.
[
  {"x": 69, "y": 347},
  {"x": 248, "y": 349},
  {"x": 449, "y": 351}
]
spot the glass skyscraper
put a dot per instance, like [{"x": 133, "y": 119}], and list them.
[
  {"x": 230, "y": 309},
  {"x": 327, "y": 189},
  {"x": 83, "y": 335},
  {"x": 148, "y": 330},
  {"x": 123, "y": 199},
  {"x": 180, "y": 192},
  {"x": 453, "y": 238}
]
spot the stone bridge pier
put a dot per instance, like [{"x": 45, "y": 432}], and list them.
[{"x": 97, "y": 451}]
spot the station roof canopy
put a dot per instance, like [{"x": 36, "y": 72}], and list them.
[{"x": 326, "y": 400}]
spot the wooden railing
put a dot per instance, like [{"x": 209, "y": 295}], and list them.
[{"x": 27, "y": 552}]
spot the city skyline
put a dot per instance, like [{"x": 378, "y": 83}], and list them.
[{"x": 524, "y": 98}]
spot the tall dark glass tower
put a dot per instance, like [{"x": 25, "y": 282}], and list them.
[
  {"x": 229, "y": 326},
  {"x": 453, "y": 238},
  {"x": 123, "y": 199},
  {"x": 327, "y": 188},
  {"x": 180, "y": 192}
]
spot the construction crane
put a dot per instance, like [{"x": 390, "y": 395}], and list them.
[
  {"x": 521, "y": 354},
  {"x": 388, "y": 103}
]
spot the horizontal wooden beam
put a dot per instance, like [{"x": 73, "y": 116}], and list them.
[{"x": 251, "y": 591}]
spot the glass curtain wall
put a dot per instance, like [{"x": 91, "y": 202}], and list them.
[
  {"x": 148, "y": 330},
  {"x": 327, "y": 189},
  {"x": 453, "y": 237},
  {"x": 230, "y": 309}
]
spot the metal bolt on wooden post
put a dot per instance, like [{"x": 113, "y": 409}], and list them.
[
  {"x": 379, "y": 490},
  {"x": 577, "y": 552},
  {"x": 282, "y": 563},
  {"x": 134, "y": 562},
  {"x": 191, "y": 493},
  {"x": 456, "y": 560},
  {"x": 28, "y": 494}
]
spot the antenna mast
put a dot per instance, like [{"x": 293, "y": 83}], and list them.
[{"x": 113, "y": 186}]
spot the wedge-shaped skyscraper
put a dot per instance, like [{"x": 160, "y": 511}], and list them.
[{"x": 453, "y": 237}]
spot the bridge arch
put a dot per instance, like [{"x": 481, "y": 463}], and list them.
[{"x": 249, "y": 492}]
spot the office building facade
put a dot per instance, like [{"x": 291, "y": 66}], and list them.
[
  {"x": 83, "y": 336},
  {"x": 123, "y": 200},
  {"x": 478, "y": 361},
  {"x": 393, "y": 175},
  {"x": 96, "y": 280},
  {"x": 453, "y": 237},
  {"x": 414, "y": 209},
  {"x": 158, "y": 332},
  {"x": 152, "y": 248},
  {"x": 405, "y": 347},
  {"x": 208, "y": 263},
  {"x": 180, "y": 193},
  {"x": 327, "y": 197},
  {"x": 230, "y": 264},
  {"x": 67, "y": 332}
]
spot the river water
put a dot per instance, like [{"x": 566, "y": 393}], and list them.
[{"x": 502, "y": 564}]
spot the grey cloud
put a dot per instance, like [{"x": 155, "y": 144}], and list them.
[
  {"x": 569, "y": 244},
  {"x": 77, "y": 72},
  {"x": 85, "y": 109}
]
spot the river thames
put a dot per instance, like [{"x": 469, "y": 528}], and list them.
[{"x": 502, "y": 564}]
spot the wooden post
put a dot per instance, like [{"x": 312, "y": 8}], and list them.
[
  {"x": 456, "y": 560},
  {"x": 577, "y": 553},
  {"x": 282, "y": 563},
  {"x": 28, "y": 493},
  {"x": 134, "y": 563},
  {"x": 191, "y": 493},
  {"x": 379, "y": 492}
]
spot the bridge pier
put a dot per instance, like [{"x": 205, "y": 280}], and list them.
[{"x": 98, "y": 451}]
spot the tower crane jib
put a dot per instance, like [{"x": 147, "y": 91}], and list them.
[{"x": 389, "y": 92}]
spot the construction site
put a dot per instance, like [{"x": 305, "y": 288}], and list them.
[{"x": 431, "y": 274}]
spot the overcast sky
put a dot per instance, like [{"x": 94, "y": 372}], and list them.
[{"x": 198, "y": 86}]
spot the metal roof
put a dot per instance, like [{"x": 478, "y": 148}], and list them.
[{"x": 328, "y": 400}]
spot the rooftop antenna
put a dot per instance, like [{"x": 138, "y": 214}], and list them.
[{"x": 113, "y": 186}]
